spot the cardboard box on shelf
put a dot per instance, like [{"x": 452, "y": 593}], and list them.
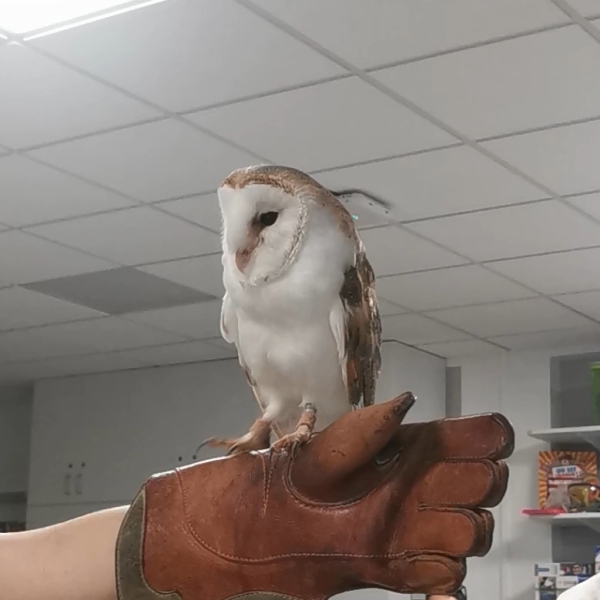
[{"x": 559, "y": 468}]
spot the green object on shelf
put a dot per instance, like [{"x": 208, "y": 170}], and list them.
[{"x": 596, "y": 387}]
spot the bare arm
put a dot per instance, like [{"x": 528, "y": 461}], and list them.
[{"x": 69, "y": 561}]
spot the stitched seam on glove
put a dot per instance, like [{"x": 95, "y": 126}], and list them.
[
  {"x": 301, "y": 500},
  {"x": 198, "y": 538}
]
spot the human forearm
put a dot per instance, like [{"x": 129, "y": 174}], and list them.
[{"x": 74, "y": 560}]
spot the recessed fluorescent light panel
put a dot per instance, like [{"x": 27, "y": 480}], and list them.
[{"x": 34, "y": 18}]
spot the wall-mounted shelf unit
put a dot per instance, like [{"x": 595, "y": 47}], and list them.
[
  {"x": 591, "y": 520},
  {"x": 589, "y": 434}
]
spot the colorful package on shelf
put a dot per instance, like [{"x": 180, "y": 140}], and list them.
[{"x": 559, "y": 469}]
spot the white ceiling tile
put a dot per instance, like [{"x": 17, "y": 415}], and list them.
[
  {"x": 513, "y": 231},
  {"x": 435, "y": 183},
  {"x": 198, "y": 321},
  {"x": 558, "y": 338},
  {"x": 386, "y": 308},
  {"x": 150, "y": 162},
  {"x": 18, "y": 372},
  {"x": 392, "y": 250},
  {"x": 33, "y": 193},
  {"x": 563, "y": 158},
  {"x": 204, "y": 273},
  {"x": 203, "y": 210},
  {"x": 587, "y": 303},
  {"x": 512, "y": 317},
  {"x": 323, "y": 126},
  {"x": 374, "y": 32},
  {"x": 590, "y": 203},
  {"x": 53, "y": 102},
  {"x": 445, "y": 288},
  {"x": 417, "y": 330},
  {"x": 192, "y": 53},
  {"x": 587, "y": 8},
  {"x": 222, "y": 344},
  {"x": 177, "y": 353},
  {"x": 25, "y": 258},
  {"x": 461, "y": 349},
  {"x": 476, "y": 93},
  {"x": 36, "y": 344},
  {"x": 20, "y": 307},
  {"x": 94, "y": 363},
  {"x": 111, "y": 333},
  {"x": 555, "y": 273},
  {"x": 132, "y": 236}
]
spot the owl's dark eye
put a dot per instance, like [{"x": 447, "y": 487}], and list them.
[{"x": 267, "y": 219}]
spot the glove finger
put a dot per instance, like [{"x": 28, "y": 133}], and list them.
[
  {"x": 457, "y": 532},
  {"x": 463, "y": 483},
  {"x": 425, "y": 573},
  {"x": 349, "y": 443},
  {"x": 488, "y": 436},
  {"x": 500, "y": 486},
  {"x": 479, "y": 436},
  {"x": 486, "y": 521}
]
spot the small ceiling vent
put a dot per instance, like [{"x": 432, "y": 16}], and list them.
[{"x": 366, "y": 209}]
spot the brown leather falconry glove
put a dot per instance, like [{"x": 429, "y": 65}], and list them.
[{"x": 368, "y": 502}]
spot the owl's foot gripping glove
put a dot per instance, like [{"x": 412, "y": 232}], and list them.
[{"x": 368, "y": 502}]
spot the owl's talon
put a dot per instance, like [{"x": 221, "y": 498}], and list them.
[
  {"x": 291, "y": 443},
  {"x": 232, "y": 450},
  {"x": 304, "y": 431}
]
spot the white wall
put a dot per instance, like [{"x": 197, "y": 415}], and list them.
[
  {"x": 406, "y": 369},
  {"x": 516, "y": 384}
]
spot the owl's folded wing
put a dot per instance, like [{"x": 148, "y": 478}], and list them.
[{"x": 356, "y": 326}]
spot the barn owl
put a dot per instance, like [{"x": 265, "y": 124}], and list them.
[{"x": 300, "y": 304}]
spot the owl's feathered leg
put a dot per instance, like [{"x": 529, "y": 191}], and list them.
[
  {"x": 302, "y": 433},
  {"x": 257, "y": 438}
]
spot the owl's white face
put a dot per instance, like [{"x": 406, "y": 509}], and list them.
[{"x": 262, "y": 225}]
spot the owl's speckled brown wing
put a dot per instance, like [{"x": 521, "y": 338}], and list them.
[{"x": 362, "y": 332}]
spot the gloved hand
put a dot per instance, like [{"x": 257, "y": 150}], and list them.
[{"x": 368, "y": 502}]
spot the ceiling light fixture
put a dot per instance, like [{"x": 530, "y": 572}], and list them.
[{"x": 34, "y": 18}]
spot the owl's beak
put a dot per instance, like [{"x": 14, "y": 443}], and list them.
[
  {"x": 242, "y": 258},
  {"x": 244, "y": 254}
]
